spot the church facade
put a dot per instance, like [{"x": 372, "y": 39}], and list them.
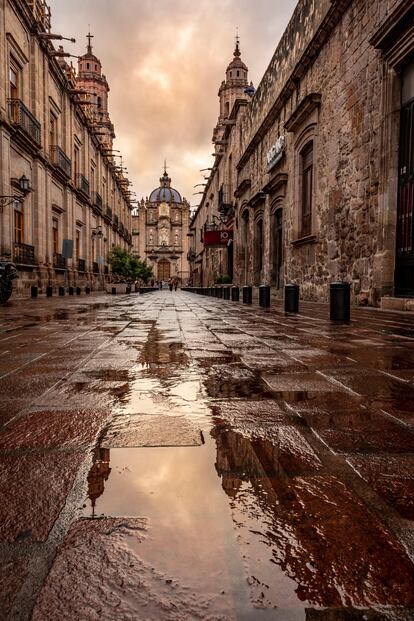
[{"x": 161, "y": 226}]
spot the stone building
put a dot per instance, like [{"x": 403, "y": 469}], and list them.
[
  {"x": 212, "y": 225},
  {"x": 324, "y": 175},
  {"x": 161, "y": 232},
  {"x": 56, "y": 136}
]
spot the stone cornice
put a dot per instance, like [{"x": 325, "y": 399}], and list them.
[
  {"x": 275, "y": 183},
  {"x": 303, "y": 110},
  {"x": 395, "y": 36}
]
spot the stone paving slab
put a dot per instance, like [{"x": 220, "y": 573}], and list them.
[
  {"x": 41, "y": 429},
  {"x": 33, "y": 488}
]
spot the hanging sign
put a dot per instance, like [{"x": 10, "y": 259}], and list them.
[
  {"x": 275, "y": 153},
  {"x": 218, "y": 237}
]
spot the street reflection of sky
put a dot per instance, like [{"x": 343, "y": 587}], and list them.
[{"x": 191, "y": 536}]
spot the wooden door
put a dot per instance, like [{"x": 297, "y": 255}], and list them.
[{"x": 164, "y": 270}]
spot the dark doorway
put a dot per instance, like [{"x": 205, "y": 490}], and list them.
[
  {"x": 277, "y": 247},
  {"x": 258, "y": 251},
  {"x": 404, "y": 266},
  {"x": 230, "y": 260}
]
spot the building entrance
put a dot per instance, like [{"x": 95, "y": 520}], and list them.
[
  {"x": 404, "y": 268},
  {"x": 164, "y": 270}
]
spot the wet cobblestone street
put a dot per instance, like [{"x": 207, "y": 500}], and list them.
[{"x": 238, "y": 463}]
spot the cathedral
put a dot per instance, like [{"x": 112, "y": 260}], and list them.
[{"x": 160, "y": 232}]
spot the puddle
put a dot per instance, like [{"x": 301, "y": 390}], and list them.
[
  {"x": 191, "y": 535},
  {"x": 232, "y": 380}
]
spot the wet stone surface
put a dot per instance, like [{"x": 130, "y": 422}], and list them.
[{"x": 175, "y": 457}]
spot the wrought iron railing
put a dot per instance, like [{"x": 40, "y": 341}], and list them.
[
  {"x": 115, "y": 222},
  {"x": 60, "y": 160},
  {"x": 82, "y": 184},
  {"x": 81, "y": 265},
  {"x": 95, "y": 267},
  {"x": 108, "y": 212},
  {"x": 22, "y": 118},
  {"x": 121, "y": 228},
  {"x": 41, "y": 12},
  {"x": 59, "y": 262},
  {"x": 24, "y": 254}
]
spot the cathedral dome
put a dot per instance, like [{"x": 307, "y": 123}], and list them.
[{"x": 165, "y": 193}]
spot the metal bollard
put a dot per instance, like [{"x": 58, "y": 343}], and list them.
[
  {"x": 128, "y": 289},
  {"x": 87, "y": 290},
  {"x": 291, "y": 298},
  {"x": 340, "y": 301},
  {"x": 113, "y": 290},
  {"x": 264, "y": 296},
  {"x": 220, "y": 292},
  {"x": 49, "y": 292},
  {"x": 226, "y": 293},
  {"x": 78, "y": 291},
  {"x": 235, "y": 294},
  {"x": 61, "y": 290},
  {"x": 247, "y": 295},
  {"x": 70, "y": 290},
  {"x": 33, "y": 291}
]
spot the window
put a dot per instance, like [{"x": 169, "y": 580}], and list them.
[
  {"x": 238, "y": 73},
  {"x": 14, "y": 81},
  {"x": 92, "y": 179},
  {"x": 76, "y": 162},
  {"x": 52, "y": 130},
  {"x": 55, "y": 237},
  {"x": 87, "y": 65},
  {"x": 307, "y": 188},
  {"x": 77, "y": 244},
  {"x": 18, "y": 227}
]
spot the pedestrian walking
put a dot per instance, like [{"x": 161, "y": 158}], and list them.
[
  {"x": 170, "y": 284},
  {"x": 175, "y": 284}
]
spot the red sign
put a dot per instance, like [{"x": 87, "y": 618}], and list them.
[{"x": 217, "y": 238}]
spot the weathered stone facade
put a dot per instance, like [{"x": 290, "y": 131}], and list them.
[
  {"x": 316, "y": 194},
  {"x": 160, "y": 232},
  {"x": 55, "y": 130}
]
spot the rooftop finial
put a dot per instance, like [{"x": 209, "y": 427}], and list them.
[
  {"x": 89, "y": 36},
  {"x": 237, "y": 49},
  {"x": 165, "y": 167}
]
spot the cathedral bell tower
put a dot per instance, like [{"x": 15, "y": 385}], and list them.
[
  {"x": 231, "y": 89},
  {"x": 91, "y": 79}
]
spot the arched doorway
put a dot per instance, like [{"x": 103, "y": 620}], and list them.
[{"x": 164, "y": 269}]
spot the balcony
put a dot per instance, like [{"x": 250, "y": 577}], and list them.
[
  {"x": 121, "y": 228},
  {"x": 23, "y": 254},
  {"x": 81, "y": 265},
  {"x": 115, "y": 221},
  {"x": 24, "y": 121},
  {"x": 59, "y": 262},
  {"x": 97, "y": 201},
  {"x": 95, "y": 267},
  {"x": 82, "y": 184},
  {"x": 61, "y": 161}
]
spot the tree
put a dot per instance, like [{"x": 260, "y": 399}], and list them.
[{"x": 127, "y": 268}]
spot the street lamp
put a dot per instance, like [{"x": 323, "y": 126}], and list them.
[{"x": 24, "y": 186}]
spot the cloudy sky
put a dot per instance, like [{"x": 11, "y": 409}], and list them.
[{"x": 164, "y": 61}]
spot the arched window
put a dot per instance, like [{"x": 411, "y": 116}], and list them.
[{"x": 306, "y": 157}]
